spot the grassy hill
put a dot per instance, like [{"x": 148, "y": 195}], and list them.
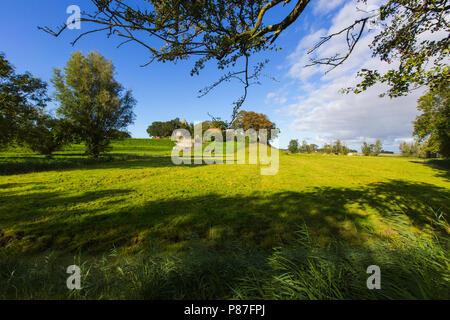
[{"x": 203, "y": 231}]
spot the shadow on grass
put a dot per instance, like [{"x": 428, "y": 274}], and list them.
[
  {"x": 26, "y": 164},
  {"x": 412, "y": 268},
  {"x": 20, "y": 165},
  {"x": 442, "y": 166},
  {"x": 97, "y": 221}
]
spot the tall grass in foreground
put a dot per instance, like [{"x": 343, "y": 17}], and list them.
[{"x": 411, "y": 268}]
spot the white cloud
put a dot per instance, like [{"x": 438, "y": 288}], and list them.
[
  {"x": 325, "y": 6},
  {"x": 355, "y": 118},
  {"x": 326, "y": 114},
  {"x": 275, "y": 98}
]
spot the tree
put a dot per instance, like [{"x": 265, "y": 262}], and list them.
[
  {"x": 229, "y": 30},
  {"x": 202, "y": 127},
  {"x": 377, "y": 148},
  {"x": 433, "y": 124},
  {"x": 366, "y": 149},
  {"x": 372, "y": 149},
  {"x": 219, "y": 124},
  {"x": 293, "y": 146},
  {"x": 304, "y": 147},
  {"x": 252, "y": 120},
  {"x": 345, "y": 150},
  {"x": 92, "y": 101},
  {"x": 339, "y": 147},
  {"x": 413, "y": 149},
  {"x": 404, "y": 148},
  {"x": 22, "y": 101},
  {"x": 156, "y": 129},
  {"x": 165, "y": 129},
  {"x": 313, "y": 147},
  {"x": 327, "y": 148}
]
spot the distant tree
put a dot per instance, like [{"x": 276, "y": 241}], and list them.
[
  {"x": 120, "y": 135},
  {"x": 165, "y": 129},
  {"x": 22, "y": 101},
  {"x": 92, "y": 100},
  {"x": 304, "y": 147},
  {"x": 413, "y": 149},
  {"x": 156, "y": 129},
  {"x": 338, "y": 147},
  {"x": 202, "y": 126},
  {"x": 372, "y": 149},
  {"x": 252, "y": 120},
  {"x": 313, "y": 147},
  {"x": 433, "y": 124},
  {"x": 366, "y": 149},
  {"x": 217, "y": 123},
  {"x": 377, "y": 148},
  {"x": 293, "y": 146},
  {"x": 345, "y": 150},
  {"x": 404, "y": 148},
  {"x": 327, "y": 148},
  {"x": 190, "y": 128}
]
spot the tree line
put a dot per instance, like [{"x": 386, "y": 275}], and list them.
[
  {"x": 336, "y": 147},
  {"x": 372, "y": 149},
  {"x": 244, "y": 120},
  {"x": 93, "y": 107},
  {"x": 432, "y": 126}
]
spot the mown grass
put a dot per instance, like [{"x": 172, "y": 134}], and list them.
[
  {"x": 19, "y": 159},
  {"x": 148, "y": 229}
]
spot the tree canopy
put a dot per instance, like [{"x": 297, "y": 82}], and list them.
[
  {"x": 433, "y": 124},
  {"x": 227, "y": 31},
  {"x": 165, "y": 128},
  {"x": 22, "y": 101},
  {"x": 246, "y": 120},
  {"x": 293, "y": 146},
  {"x": 372, "y": 149}
]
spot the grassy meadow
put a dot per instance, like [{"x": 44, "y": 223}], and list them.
[{"x": 141, "y": 227}]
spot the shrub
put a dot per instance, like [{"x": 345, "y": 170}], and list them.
[
  {"x": 293, "y": 146},
  {"x": 48, "y": 135}
]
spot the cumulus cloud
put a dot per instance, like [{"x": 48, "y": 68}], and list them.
[
  {"x": 326, "y": 113},
  {"x": 325, "y": 6},
  {"x": 275, "y": 98},
  {"x": 354, "y": 118}
]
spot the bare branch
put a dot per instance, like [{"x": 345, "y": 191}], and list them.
[{"x": 351, "y": 39}]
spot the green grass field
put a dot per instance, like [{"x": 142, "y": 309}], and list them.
[{"x": 145, "y": 228}]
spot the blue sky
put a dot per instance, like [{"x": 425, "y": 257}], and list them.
[{"x": 304, "y": 102}]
